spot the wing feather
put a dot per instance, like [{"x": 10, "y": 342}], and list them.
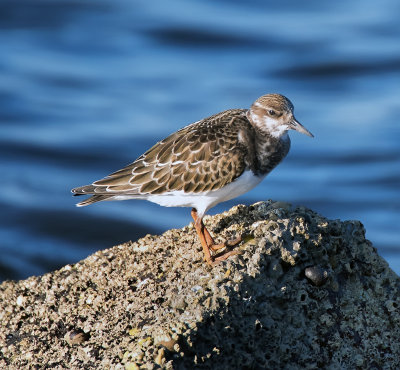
[{"x": 203, "y": 156}]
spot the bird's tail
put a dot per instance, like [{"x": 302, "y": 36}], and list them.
[
  {"x": 89, "y": 190},
  {"x": 93, "y": 199}
]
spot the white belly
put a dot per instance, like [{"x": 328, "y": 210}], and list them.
[{"x": 206, "y": 200}]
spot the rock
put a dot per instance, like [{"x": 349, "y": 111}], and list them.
[{"x": 306, "y": 292}]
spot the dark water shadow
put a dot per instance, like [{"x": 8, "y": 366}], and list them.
[
  {"x": 77, "y": 227},
  {"x": 340, "y": 69}
]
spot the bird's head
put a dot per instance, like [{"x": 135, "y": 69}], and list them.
[{"x": 273, "y": 115}]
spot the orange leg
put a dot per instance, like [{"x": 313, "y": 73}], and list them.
[
  {"x": 208, "y": 242},
  {"x": 198, "y": 224}
]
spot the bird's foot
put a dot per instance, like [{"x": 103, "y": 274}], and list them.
[
  {"x": 215, "y": 259},
  {"x": 209, "y": 244},
  {"x": 227, "y": 244},
  {"x": 222, "y": 256}
]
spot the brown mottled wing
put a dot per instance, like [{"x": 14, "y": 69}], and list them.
[{"x": 203, "y": 156}]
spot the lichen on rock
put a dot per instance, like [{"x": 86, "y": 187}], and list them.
[{"x": 305, "y": 292}]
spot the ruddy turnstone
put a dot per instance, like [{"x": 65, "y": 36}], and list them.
[{"x": 205, "y": 163}]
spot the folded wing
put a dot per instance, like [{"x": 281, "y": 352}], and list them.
[{"x": 200, "y": 157}]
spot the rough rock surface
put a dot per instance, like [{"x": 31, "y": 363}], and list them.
[{"x": 306, "y": 292}]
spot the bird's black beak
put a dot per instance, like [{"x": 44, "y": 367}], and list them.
[{"x": 295, "y": 125}]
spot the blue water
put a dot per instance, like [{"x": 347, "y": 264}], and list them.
[{"x": 87, "y": 86}]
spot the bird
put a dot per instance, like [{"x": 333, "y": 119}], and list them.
[{"x": 205, "y": 163}]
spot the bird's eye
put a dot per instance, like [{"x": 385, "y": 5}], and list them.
[{"x": 271, "y": 112}]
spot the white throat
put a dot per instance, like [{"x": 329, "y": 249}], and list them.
[{"x": 269, "y": 125}]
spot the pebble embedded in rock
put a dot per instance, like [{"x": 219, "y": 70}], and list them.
[
  {"x": 76, "y": 336},
  {"x": 316, "y": 275}
]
